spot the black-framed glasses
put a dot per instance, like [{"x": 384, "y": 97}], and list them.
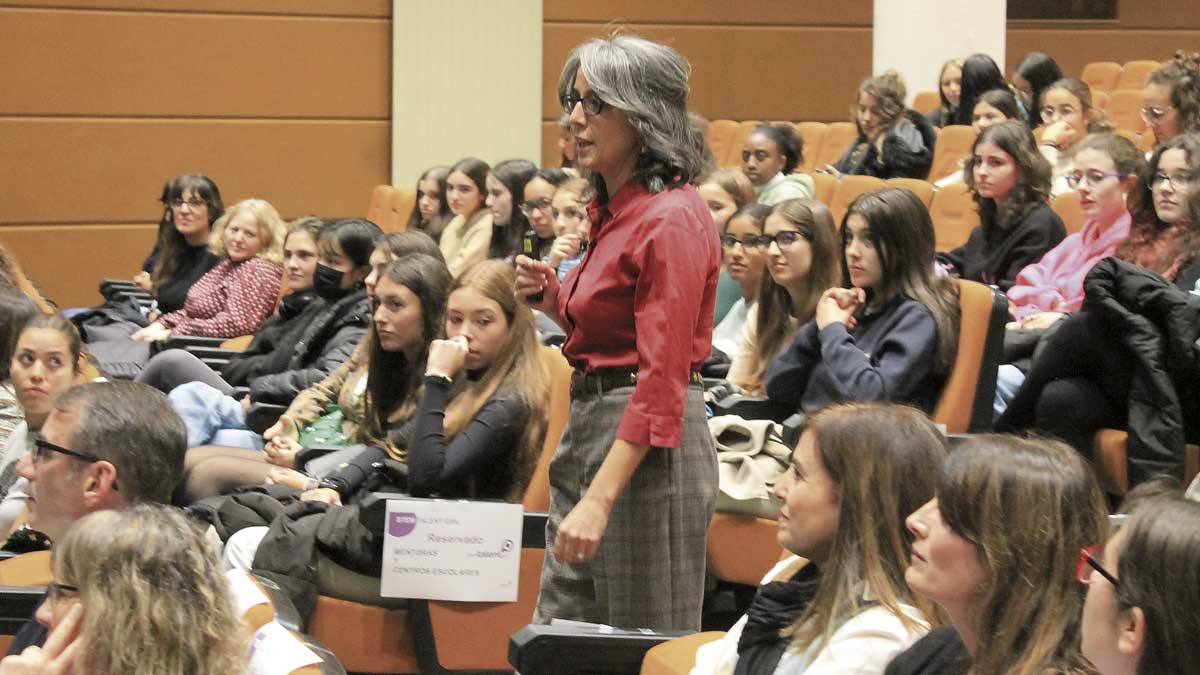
[
  {"x": 749, "y": 241},
  {"x": 42, "y": 449},
  {"x": 1091, "y": 177},
  {"x": 592, "y": 105},
  {"x": 785, "y": 239},
  {"x": 1088, "y": 561},
  {"x": 540, "y": 205},
  {"x": 1180, "y": 180},
  {"x": 57, "y": 591}
]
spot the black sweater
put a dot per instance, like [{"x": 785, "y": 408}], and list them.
[
  {"x": 194, "y": 263},
  {"x": 940, "y": 652},
  {"x": 995, "y": 256}
]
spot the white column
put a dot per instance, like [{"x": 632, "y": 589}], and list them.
[
  {"x": 466, "y": 81},
  {"x": 916, "y": 37}
]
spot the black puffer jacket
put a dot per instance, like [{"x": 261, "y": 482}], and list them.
[
  {"x": 324, "y": 344},
  {"x": 907, "y": 151},
  {"x": 280, "y": 331},
  {"x": 1160, "y": 325}
]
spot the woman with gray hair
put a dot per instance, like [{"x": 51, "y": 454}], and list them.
[{"x": 634, "y": 481}]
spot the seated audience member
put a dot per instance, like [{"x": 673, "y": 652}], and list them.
[
  {"x": 1068, "y": 116},
  {"x": 857, "y": 472},
  {"x": 1171, "y": 98},
  {"x": 744, "y": 260},
  {"x": 893, "y": 333},
  {"x": 992, "y": 107},
  {"x": 136, "y": 591},
  {"x": 15, "y": 309},
  {"x": 44, "y": 362},
  {"x": 372, "y": 390},
  {"x": 893, "y": 141},
  {"x": 995, "y": 550},
  {"x": 105, "y": 445},
  {"x": 1010, "y": 183},
  {"x": 800, "y": 243},
  {"x": 505, "y": 187},
  {"x": 725, "y": 191},
  {"x": 1035, "y": 72},
  {"x": 537, "y": 207},
  {"x": 1165, "y": 237},
  {"x": 979, "y": 74},
  {"x": 191, "y": 205},
  {"x": 431, "y": 213},
  {"x": 949, "y": 93},
  {"x": 468, "y": 237},
  {"x": 572, "y": 226},
  {"x": 1143, "y": 594},
  {"x": 237, "y": 295},
  {"x": 566, "y": 141},
  {"x": 769, "y": 159}
]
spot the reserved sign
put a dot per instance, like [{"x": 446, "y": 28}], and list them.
[{"x": 451, "y": 550}]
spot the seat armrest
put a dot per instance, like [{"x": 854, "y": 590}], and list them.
[
  {"x": 185, "y": 341},
  {"x": 17, "y": 605},
  {"x": 577, "y": 650},
  {"x": 215, "y": 353},
  {"x": 753, "y": 408}
]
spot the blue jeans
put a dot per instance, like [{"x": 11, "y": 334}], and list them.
[
  {"x": 212, "y": 417},
  {"x": 1008, "y": 380}
]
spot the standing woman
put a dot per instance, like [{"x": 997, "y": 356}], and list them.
[
  {"x": 634, "y": 481},
  {"x": 466, "y": 239}
]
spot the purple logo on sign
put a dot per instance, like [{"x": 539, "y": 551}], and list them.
[{"x": 402, "y": 524}]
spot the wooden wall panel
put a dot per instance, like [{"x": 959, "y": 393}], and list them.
[
  {"x": 367, "y": 8},
  {"x": 161, "y": 64},
  {"x": 68, "y": 261},
  {"x": 1075, "y": 48},
  {"x": 747, "y": 12},
  {"x": 1170, "y": 14}
]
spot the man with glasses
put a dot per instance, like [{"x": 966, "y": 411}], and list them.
[{"x": 105, "y": 445}]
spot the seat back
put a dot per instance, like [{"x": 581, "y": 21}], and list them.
[
  {"x": 953, "y": 145},
  {"x": 377, "y": 208},
  {"x": 537, "y": 493},
  {"x": 1124, "y": 109},
  {"x": 926, "y": 101},
  {"x": 1135, "y": 73},
  {"x": 719, "y": 135},
  {"x": 848, "y": 189},
  {"x": 965, "y": 404},
  {"x": 1101, "y": 75},
  {"x": 400, "y": 207},
  {"x": 954, "y": 216},
  {"x": 733, "y": 156},
  {"x": 921, "y": 188},
  {"x": 1110, "y": 461},
  {"x": 814, "y": 134},
  {"x": 837, "y": 139},
  {"x": 742, "y": 548},
  {"x": 824, "y": 185},
  {"x": 1067, "y": 207}
]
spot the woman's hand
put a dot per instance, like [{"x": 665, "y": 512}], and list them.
[
  {"x": 533, "y": 277},
  {"x": 1041, "y": 320},
  {"x": 142, "y": 281},
  {"x": 839, "y": 305},
  {"x": 321, "y": 494},
  {"x": 57, "y": 656},
  {"x": 564, "y": 248},
  {"x": 290, "y": 478},
  {"x": 579, "y": 536},
  {"x": 282, "y": 442},
  {"x": 446, "y": 357},
  {"x": 828, "y": 168},
  {"x": 1060, "y": 134},
  {"x": 153, "y": 332}
]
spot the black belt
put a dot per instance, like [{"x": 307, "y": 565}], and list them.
[{"x": 606, "y": 379}]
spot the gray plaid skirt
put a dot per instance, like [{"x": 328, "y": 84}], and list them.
[{"x": 649, "y": 570}]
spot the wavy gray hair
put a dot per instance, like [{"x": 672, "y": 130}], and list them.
[{"x": 649, "y": 83}]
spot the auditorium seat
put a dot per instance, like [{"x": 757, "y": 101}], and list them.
[
  {"x": 1135, "y": 73},
  {"x": 848, "y": 189},
  {"x": 953, "y": 146},
  {"x": 840, "y": 136},
  {"x": 1101, "y": 75},
  {"x": 926, "y": 101},
  {"x": 1124, "y": 109},
  {"x": 921, "y": 188},
  {"x": 719, "y": 135},
  {"x": 1099, "y": 99},
  {"x": 1067, "y": 207},
  {"x": 814, "y": 134},
  {"x": 823, "y": 186},
  {"x": 954, "y": 216}
]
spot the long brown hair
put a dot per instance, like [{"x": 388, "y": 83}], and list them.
[
  {"x": 773, "y": 326},
  {"x": 517, "y": 367},
  {"x": 1028, "y": 506},
  {"x": 1033, "y": 175},
  {"x": 1146, "y": 224},
  {"x": 171, "y": 244},
  {"x": 880, "y": 458}
]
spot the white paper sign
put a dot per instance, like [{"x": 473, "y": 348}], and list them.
[
  {"x": 451, "y": 550},
  {"x": 246, "y": 593},
  {"x": 275, "y": 651}
]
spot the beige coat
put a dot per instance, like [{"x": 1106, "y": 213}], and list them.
[{"x": 465, "y": 242}]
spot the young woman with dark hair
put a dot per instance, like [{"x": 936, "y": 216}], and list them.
[
  {"x": 538, "y": 208},
  {"x": 744, "y": 260},
  {"x": 15, "y": 309},
  {"x": 725, "y": 191},
  {"x": 191, "y": 205},
  {"x": 1035, "y": 72},
  {"x": 979, "y": 74},
  {"x": 431, "y": 213},
  {"x": 949, "y": 93},
  {"x": 893, "y": 141},
  {"x": 467, "y": 237},
  {"x": 1010, "y": 183},
  {"x": 505, "y": 189},
  {"x": 1171, "y": 98},
  {"x": 769, "y": 159},
  {"x": 893, "y": 333},
  {"x": 992, "y": 107}
]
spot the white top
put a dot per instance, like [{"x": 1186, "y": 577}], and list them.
[
  {"x": 1062, "y": 165},
  {"x": 727, "y": 335},
  {"x": 865, "y": 644}
]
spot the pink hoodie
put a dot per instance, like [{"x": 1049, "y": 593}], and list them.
[{"x": 1055, "y": 283}]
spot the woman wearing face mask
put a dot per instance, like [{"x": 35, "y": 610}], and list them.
[
  {"x": 769, "y": 159},
  {"x": 799, "y": 242},
  {"x": 1010, "y": 183},
  {"x": 1068, "y": 116},
  {"x": 996, "y": 549},
  {"x": 1142, "y": 592},
  {"x": 893, "y": 334},
  {"x": 992, "y": 107},
  {"x": 505, "y": 184},
  {"x": 1033, "y": 74},
  {"x": 1171, "y": 98},
  {"x": 725, "y": 191},
  {"x": 949, "y": 92},
  {"x": 431, "y": 213},
  {"x": 467, "y": 237},
  {"x": 538, "y": 209},
  {"x": 893, "y": 141}
]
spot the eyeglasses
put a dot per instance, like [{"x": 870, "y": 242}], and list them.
[
  {"x": 56, "y": 591},
  {"x": 749, "y": 241},
  {"x": 785, "y": 239},
  {"x": 1087, "y": 562},
  {"x": 1179, "y": 181},
  {"x": 42, "y": 449},
  {"x": 529, "y": 207},
  {"x": 592, "y": 104},
  {"x": 178, "y": 203},
  {"x": 1154, "y": 114},
  {"x": 1091, "y": 177}
]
